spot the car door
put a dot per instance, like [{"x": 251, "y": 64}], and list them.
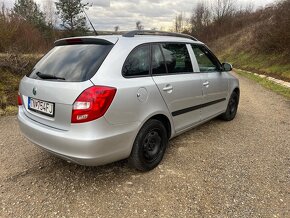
[
  {"x": 180, "y": 87},
  {"x": 214, "y": 83}
]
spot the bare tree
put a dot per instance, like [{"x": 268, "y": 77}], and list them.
[
  {"x": 179, "y": 23},
  {"x": 8, "y": 27},
  {"x": 50, "y": 12},
  {"x": 223, "y": 8},
  {"x": 139, "y": 26},
  {"x": 116, "y": 28},
  {"x": 249, "y": 8},
  {"x": 201, "y": 17}
]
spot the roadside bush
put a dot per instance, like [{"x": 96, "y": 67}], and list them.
[
  {"x": 270, "y": 26},
  {"x": 274, "y": 34},
  {"x": 17, "y": 63},
  {"x": 17, "y": 35},
  {"x": 12, "y": 68}
]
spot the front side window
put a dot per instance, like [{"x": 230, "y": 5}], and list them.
[
  {"x": 204, "y": 59},
  {"x": 137, "y": 63},
  {"x": 177, "y": 58}
]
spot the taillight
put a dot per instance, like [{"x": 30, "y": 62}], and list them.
[
  {"x": 19, "y": 100},
  {"x": 92, "y": 103}
]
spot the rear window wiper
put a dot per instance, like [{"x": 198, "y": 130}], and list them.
[{"x": 48, "y": 76}]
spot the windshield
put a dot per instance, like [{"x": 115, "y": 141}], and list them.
[{"x": 71, "y": 63}]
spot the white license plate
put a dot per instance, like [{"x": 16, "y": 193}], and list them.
[{"x": 42, "y": 107}]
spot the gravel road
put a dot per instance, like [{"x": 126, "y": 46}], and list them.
[{"x": 220, "y": 169}]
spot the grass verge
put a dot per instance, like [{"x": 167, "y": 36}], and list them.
[
  {"x": 241, "y": 50},
  {"x": 266, "y": 83},
  {"x": 271, "y": 65}
]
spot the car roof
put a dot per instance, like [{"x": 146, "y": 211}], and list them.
[
  {"x": 137, "y": 39},
  {"x": 149, "y": 38},
  {"x": 157, "y": 38}
]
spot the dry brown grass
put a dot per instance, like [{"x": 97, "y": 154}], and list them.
[{"x": 12, "y": 68}]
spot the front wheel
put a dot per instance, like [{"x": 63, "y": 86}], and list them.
[
  {"x": 231, "y": 108},
  {"x": 149, "y": 146}
]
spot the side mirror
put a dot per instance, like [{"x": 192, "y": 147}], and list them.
[{"x": 227, "y": 67}]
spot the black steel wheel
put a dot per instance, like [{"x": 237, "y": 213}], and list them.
[
  {"x": 149, "y": 146},
  {"x": 232, "y": 107}
]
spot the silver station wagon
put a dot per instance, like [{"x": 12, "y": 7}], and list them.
[{"x": 99, "y": 99}]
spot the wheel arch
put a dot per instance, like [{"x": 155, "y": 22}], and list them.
[{"x": 165, "y": 120}]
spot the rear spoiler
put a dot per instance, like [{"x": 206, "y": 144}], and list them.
[{"x": 76, "y": 41}]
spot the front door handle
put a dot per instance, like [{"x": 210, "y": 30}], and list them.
[
  {"x": 168, "y": 88},
  {"x": 206, "y": 83}
]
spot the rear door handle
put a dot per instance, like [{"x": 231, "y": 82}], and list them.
[
  {"x": 206, "y": 83},
  {"x": 168, "y": 88}
]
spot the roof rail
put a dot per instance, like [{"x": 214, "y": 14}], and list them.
[{"x": 159, "y": 33}]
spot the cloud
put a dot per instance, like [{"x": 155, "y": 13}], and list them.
[
  {"x": 99, "y": 3},
  {"x": 106, "y": 14},
  {"x": 152, "y": 14}
]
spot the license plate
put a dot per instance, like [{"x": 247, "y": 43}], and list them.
[{"x": 42, "y": 107}]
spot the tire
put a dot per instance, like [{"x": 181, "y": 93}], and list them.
[
  {"x": 149, "y": 146},
  {"x": 232, "y": 108}
]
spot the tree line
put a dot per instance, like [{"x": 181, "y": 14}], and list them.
[
  {"x": 26, "y": 28},
  {"x": 270, "y": 24}
]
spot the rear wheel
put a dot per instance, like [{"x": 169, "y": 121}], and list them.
[
  {"x": 232, "y": 108},
  {"x": 149, "y": 146}
]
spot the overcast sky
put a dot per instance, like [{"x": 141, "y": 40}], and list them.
[{"x": 106, "y": 14}]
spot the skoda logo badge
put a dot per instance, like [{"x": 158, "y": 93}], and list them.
[{"x": 34, "y": 91}]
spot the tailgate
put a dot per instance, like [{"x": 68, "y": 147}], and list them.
[{"x": 59, "y": 94}]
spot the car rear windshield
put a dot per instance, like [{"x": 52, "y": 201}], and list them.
[{"x": 71, "y": 63}]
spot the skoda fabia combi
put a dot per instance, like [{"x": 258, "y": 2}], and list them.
[{"x": 99, "y": 99}]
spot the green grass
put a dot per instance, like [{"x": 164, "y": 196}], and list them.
[
  {"x": 275, "y": 65},
  {"x": 241, "y": 50},
  {"x": 266, "y": 83}
]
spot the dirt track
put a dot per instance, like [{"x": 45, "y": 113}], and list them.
[{"x": 220, "y": 169}]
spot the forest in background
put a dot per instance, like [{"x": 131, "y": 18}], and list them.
[{"x": 270, "y": 25}]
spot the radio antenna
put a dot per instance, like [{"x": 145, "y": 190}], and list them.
[{"x": 90, "y": 23}]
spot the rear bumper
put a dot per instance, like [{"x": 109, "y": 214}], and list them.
[{"x": 93, "y": 143}]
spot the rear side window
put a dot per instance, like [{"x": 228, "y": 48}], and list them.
[
  {"x": 72, "y": 63},
  {"x": 138, "y": 62},
  {"x": 177, "y": 58},
  {"x": 204, "y": 59}
]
